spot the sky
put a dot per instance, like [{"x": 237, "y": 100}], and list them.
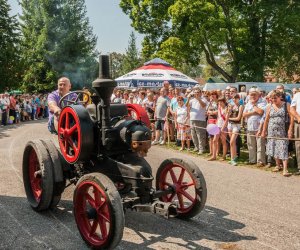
[{"x": 110, "y": 24}]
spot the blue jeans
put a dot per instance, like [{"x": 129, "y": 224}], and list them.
[{"x": 51, "y": 126}]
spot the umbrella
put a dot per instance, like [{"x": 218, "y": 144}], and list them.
[{"x": 153, "y": 74}]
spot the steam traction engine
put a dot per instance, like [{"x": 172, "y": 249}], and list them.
[{"x": 101, "y": 150}]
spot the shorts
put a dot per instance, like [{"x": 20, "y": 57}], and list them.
[
  {"x": 159, "y": 124},
  {"x": 234, "y": 127}
]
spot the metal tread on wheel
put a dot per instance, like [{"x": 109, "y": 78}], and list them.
[
  {"x": 38, "y": 175},
  {"x": 75, "y": 134},
  {"x": 58, "y": 178}
]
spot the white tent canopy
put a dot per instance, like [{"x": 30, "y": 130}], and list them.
[{"x": 153, "y": 74}]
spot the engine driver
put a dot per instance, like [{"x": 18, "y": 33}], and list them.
[{"x": 63, "y": 88}]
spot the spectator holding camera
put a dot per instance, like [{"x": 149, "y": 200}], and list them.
[
  {"x": 197, "y": 109},
  {"x": 253, "y": 112}
]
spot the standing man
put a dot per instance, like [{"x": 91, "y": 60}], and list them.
[
  {"x": 197, "y": 109},
  {"x": 161, "y": 116},
  {"x": 253, "y": 112},
  {"x": 295, "y": 112},
  {"x": 286, "y": 97},
  {"x": 63, "y": 88},
  {"x": 5, "y": 108}
]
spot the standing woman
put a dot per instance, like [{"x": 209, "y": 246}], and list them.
[
  {"x": 275, "y": 125},
  {"x": 182, "y": 123},
  {"x": 233, "y": 120},
  {"x": 221, "y": 118},
  {"x": 212, "y": 115}
]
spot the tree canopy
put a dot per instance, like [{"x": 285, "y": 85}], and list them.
[
  {"x": 9, "y": 48},
  {"x": 250, "y": 35},
  {"x": 57, "y": 40}
]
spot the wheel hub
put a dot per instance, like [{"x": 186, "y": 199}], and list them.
[{"x": 91, "y": 213}]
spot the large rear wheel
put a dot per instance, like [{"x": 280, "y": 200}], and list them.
[
  {"x": 38, "y": 175},
  {"x": 98, "y": 211},
  {"x": 188, "y": 184},
  {"x": 57, "y": 163}
]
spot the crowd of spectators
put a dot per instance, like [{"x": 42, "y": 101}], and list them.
[
  {"x": 19, "y": 108},
  {"x": 253, "y": 117}
]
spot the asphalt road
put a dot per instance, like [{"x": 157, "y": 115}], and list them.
[{"x": 246, "y": 208}]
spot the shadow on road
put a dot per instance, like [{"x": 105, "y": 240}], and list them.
[
  {"x": 7, "y": 128},
  {"x": 143, "y": 230},
  {"x": 210, "y": 224}
]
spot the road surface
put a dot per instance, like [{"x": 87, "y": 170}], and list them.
[{"x": 246, "y": 208}]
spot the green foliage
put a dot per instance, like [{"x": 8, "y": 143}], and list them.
[
  {"x": 250, "y": 35},
  {"x": 57, "y": 41},
  {"x": 10, "y": 63},
  {"x": 116, "y": 64},
  {"x": 131, "y": 59}
]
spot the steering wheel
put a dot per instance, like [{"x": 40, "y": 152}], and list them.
[{"x": 75, "y": 99}]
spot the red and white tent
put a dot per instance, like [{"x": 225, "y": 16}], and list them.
[{"x": 153, "y": 74}]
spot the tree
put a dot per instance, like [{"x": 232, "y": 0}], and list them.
[
  {"x": 10, "y": 67},
  {"x": 57, "y": 40},
  {"x": 244, "y": 31},
  {"x": 116, "y": 64},
  {"x": 131, "y": 59}
]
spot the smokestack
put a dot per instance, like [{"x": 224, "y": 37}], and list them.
[
  {"x": 104, "y": 67},
  {"x": 104, "y": 87}
]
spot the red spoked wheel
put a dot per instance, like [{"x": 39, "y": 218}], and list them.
[
  {"x": 98, "y": 211},
  {"x": 34, "y": 177},
  {"x": 188, "y": 184},
  {"x": 75, "y": 133},
  {"x": 38, "y": 176},
  {"x": 138, "y": 113}
]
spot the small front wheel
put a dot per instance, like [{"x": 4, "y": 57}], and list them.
[
  {"x": 98, "y": 211},
  {"x": 188, "y": 183}
]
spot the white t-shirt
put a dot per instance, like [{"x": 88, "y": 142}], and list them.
[
  {"x": 253, "y": 121},
  {"x": 197, "y": 113},
  {"x": 181, "y": 114},
  {"x": 296, "y": 102}
]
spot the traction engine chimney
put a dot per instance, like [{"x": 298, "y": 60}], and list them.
[{"x": 104, "y": 87}]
